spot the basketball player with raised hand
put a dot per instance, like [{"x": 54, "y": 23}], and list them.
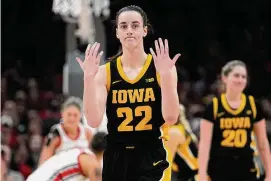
[
  {"x": 226, "y": 128},
  {"x": 139, "y": 92}
]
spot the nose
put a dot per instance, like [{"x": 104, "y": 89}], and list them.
[{"x": 129, "y": 30}]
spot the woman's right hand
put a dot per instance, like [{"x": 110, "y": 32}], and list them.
[{"x": 92, "y": 60}]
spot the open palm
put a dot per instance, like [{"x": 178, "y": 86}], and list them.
[
  {"x": 92, "y": 60},
  {"x": 162, "y": 61}
]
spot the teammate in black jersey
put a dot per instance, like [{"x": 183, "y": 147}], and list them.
[
  {"x": 139, "y": 92},
  {"x": 226, "y": 128},
  {"x": 182, "y": 144}
]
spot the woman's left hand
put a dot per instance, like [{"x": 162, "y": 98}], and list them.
[{"x": 162, "y": 61}]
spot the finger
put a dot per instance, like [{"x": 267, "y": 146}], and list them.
[
  {"x": 95, "y": 52},
  {"x": 176, "y": 58},
  {"x": 80, "y": 62},
  {"x": 92, "y": 49},
  {"x": 157, "y": 48},
  {"x": 166, "y": 47},
  {"x": 153, "y": 54},
  {"x": 87, "y": 51},
  {"x": 162, "y": 48},
  {"x": 98, "y": 59}
]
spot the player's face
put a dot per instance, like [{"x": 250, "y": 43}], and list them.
[
  {"x": 237, "y": 79},
  {"x": 130, "y": 29},
  {"x": 71, "y": 115}
]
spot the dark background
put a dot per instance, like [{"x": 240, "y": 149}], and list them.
[{"x": 207, "y": 34}]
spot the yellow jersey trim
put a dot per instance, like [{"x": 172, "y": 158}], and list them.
[
  {"x": 229, "y": 109},
  {"x": 141, "y": 73},
  {"x": 108, "y": 76},
  {"x": 215, "y": 107},
  {"x": 253, "y": 106}
]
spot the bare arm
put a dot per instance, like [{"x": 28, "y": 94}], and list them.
[
  {"x": 94, "y": 98},
  {"x": 175, "y": 139},
  {"x": 263, "y": 146},
  {"x": 90, "y": 167},
  {"x": 89, "y": 134},
  {"x": 170, "y": 100},
  {"x": 48, "y": 149},
  {"x": 206, "y": 131}
]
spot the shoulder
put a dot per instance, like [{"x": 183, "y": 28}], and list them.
[
  {"x": 87, "y": 161},
  {"x": 53, "y": 138},
  {"x": 54, "y": 130},
  {"x": 254, "y": 103},
  {"x": 211, "y": 109}
]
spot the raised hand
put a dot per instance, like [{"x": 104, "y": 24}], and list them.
[
  {"x": 92, "y": 60},
  {"x": 162, "y": 61}
]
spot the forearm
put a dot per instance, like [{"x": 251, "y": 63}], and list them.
[
  {"x": 170, "y": 100},
  {"x": 45, "y": 155},
  {"x": 266, "y": 158},
  {"x": 90, "y": 102},
  {"x": 203, "y": 159}
]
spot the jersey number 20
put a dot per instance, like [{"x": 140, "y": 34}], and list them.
[
  {"x": 129, "y": 116},
  {"x": 234, "y": 138}
]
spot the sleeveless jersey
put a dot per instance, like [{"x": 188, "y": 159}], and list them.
[
  {"x": 232, "y": 131},
  {"x": 68, "y": 143},
  {"x": 185, "y": 161},
  {"x": 133, "y": 106},
  {"x": 61, "y": 167}
]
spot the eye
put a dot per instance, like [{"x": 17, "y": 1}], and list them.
[
  {"x": 134, "y": 26},
  {"x": 123, "y": 26}
]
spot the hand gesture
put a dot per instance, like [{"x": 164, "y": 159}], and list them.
[
  {"x": 91, "y": 63},
  {"x": 162, "y": 61}
]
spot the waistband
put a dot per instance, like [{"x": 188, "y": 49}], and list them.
[{"x": 134, "y": 145}]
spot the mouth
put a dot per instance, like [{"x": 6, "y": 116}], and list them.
[{"x": 129, "y": 38}]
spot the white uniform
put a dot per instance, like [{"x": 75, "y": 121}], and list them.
[
  {"x": 61, "y": 167},
  {"x": 68, "y": 143}
]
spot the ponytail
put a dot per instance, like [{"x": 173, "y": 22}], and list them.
[{"x": 117, "y": 55}]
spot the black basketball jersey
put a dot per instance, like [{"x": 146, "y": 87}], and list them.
[
  {"x": 232, "y": 127},
  {"x": 133, "y": 106}
]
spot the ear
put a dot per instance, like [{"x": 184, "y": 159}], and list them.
[
  {"x": 145, "y": 29},
  {"x": 117, "y": 33}
]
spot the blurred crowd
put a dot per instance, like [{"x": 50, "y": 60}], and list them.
[{"x": 28, "y": 112}]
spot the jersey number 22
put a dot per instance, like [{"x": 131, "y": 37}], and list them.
[{"x": 128, "y": 113}]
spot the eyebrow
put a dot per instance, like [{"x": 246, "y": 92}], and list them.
[{"x": 132, "y": 22}]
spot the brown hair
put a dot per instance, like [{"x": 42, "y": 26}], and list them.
[
  {"x": 130, "y": 8},
  {"x": 72, "y": 101},
  {"x": 226, "y": 69}
]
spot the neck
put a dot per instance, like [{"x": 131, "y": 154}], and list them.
[
  {"x": 70, "y": 129},
  {"x": 133, "y": 58},
  {"x": 232, "y": 96}
]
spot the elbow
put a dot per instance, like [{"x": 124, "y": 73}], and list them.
[
  {"x": 171, "y": 120},
  {"x": 93, "y": 125},
  {"x": 92, "y": 121},
  {"x": 172, "y": 117}
]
